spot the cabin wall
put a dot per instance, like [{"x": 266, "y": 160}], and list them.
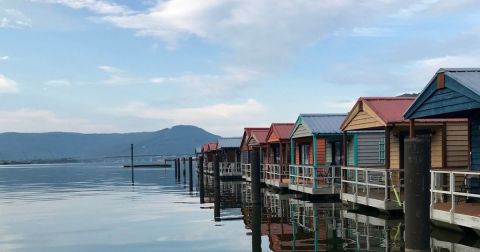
[
  {"x": 363, "y": 120},
  {"x": 301, "y": 131},
  {"x": 368, "y": 149},
  {"x": 351, "y": 155},
  {"x": 245, "y": 157},
  {"x": 475, "y": 141},
  {"x": 321, "y": 145},
  {"x": 394, "y": 151},
  {"x": 298, "y": 142},
  {"x": 457, "y": 145},
  {"x": 436, "y": 149}
]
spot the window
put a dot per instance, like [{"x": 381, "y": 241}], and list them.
[
  {"x": 381, "y": 151},
  {"x": 304, "y": 154}
]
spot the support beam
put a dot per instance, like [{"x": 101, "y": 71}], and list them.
[{"x": 255, "y": 173}]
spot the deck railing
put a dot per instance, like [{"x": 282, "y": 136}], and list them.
[
  {"x": 373, "y": 183},
  {"x": 455, "y": 192},
  {"x": 230, "y": 169},
  {"x": 276, "y": 172},
  {"x": 315, "y": 177}
]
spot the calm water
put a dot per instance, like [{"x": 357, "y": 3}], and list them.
[{"x": 93, "y": 207}]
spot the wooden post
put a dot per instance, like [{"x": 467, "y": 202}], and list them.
[
  {"x": 387, "y": 160},
  {"x": 200, "y": 179},
  {"x": 417, "y": 195},
  {"x": 216, "y": 186},
  {"x": 176, "y": 169},
  {"x": 345, "y": 149},
  {"x": 255, "y": 173},
  {"x": 190, "y": 175},
  {"x": 131, "y": 164},
  {"x": 412, "y": 128},
  {"x": 256, "y": 220}
]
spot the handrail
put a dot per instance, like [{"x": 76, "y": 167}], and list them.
[
  {"x": 371, "y": 178},
  {"x": 315, "y": 176},
  {"x": 230, "y": 169},
  {"x": 437, "y": 176},
  {"x": 276, "y": 171}
]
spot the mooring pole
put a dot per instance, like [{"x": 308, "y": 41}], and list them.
[
  {"x": 131, "y": 164},
  {"x": 200, "y": 179},
  {"x": 190, "y": 175},
  {"x": 177, "y": 162},
  {"x": 256, "y": 219},
  {"x": 255, "y": 174},
  {"x": 417, "y": 195},
  {"x": 175, "y": 166},
  {"x": 184, "y": 171},
  {"x": 216, "y": 187}
]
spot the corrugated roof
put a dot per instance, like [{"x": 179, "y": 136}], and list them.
[
  {"x": 323, "y": 123},
  {"x": 229, "y": 142},
  {"x": 282, "y": 130},
  {"x": 247, "y": 132},
  {"x": 260, "y": 135},
  {"x": 212, "y": 147},
  {"x": 389, "y": 109},
  {"x": 469, "y": 77}
]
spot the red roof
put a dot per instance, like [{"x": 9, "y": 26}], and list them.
[
  {"x": 260, "y": 135},
  {"x": 248, "y": 131},
  {"x": 209, "y": 147},
  {"x": 389, "y": 109},
  {"x": 282, "y": 130}
]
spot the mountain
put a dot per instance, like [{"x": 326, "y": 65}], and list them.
[{"x": 180, "y": 139}]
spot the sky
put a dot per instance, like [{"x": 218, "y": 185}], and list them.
[{"x": 98, "y": 66}]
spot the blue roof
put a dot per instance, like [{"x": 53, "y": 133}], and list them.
[
  {"x": 323, "y": 123},
  {"x": 229, "y": 142},
  {"x": 461, "y": 94}
]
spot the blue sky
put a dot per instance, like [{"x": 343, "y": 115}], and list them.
[{"x": 122, "y": 66}]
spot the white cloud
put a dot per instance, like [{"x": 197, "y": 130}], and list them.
[
  {"x": 57, "y": 83},
  {"x": 7, "y": 85},
  {"x": 4, "y": 58},
  {"x": 12, "y": 18},
  {"x": 226, "y": 119},
  {"x": 231, "y": 81},
  {"x": 30, "y": 120},
  {"x": 97, "y": 6},
  {"x": 116, "y": 76}
]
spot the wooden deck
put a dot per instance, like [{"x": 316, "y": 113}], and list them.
[{"x": 279, "y": 183}]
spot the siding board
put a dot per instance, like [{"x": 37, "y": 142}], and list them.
[{"x": 457, "y": 150}]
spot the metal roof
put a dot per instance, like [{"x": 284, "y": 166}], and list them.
[
  {"x": 282, "y": 130},
  {"x": 260, "y": 135},
  {"x": 323, "y": 123},
  {"x": 389, "y": 109},
  {"x": 229, "y": 142},
  {"x": 469, "y": 77}
]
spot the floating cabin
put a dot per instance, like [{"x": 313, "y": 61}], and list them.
[
  {"x": 258, "y": 141},
  {"x": 455, "y": 188},
  {"x": 229, "y": 154},
  {"x": 316, "y": 150},
  {"x": 245, "y": 153},
  {"x": 209, "y": 152},
  {"x": 278, "y": 155},
  {"x": 374, "y": 176}
]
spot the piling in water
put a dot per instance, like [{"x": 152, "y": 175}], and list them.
[
  {"x": 190, "y": 175},
  {"x": 131, "y": 164},
  {"x": 256, "y": 219},
  {"x": 216, "y": 187},
  {"x": 255, "y": 173},
  {"x": 417, "y": 195},
  {"x": 200, "y": 179},
  {"x": 176, "y": 169}
]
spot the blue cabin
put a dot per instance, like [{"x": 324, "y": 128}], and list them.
[{"x": 455, "y": 194}]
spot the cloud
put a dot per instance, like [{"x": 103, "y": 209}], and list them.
[
  {"x": 222, "y": 118},
  {"x": 231, "y": 81},
  {"x": 57, "y": 83},
  {"x": 31, "y": 120},
  {"x": 97, "y": 6},
  {"x": 12, "y": 18},
  {"x": 116, "y": 76},
  {"x": 4, "y": 58},
  {"x": 7, "y": 85}
]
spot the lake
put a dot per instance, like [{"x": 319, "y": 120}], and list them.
[{"x": 94, "y": 207}]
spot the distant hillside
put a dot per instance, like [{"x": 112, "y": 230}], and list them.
[{"x": 57, "y": 145}]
